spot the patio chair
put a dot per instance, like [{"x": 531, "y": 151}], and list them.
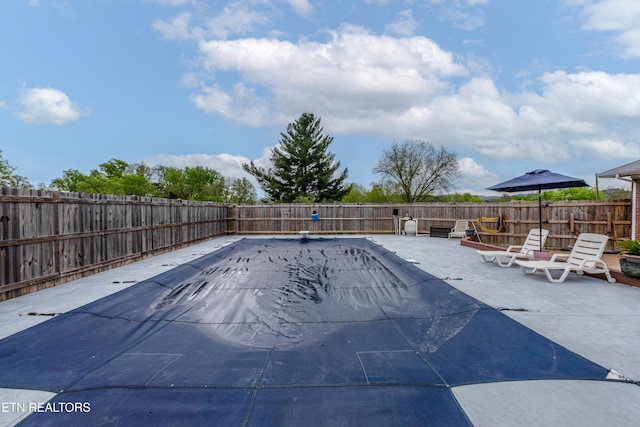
[
  {"x": 585, "y": 257},
  {"x": 534, "y": 241},
  {"x": 460, "y": 229}
]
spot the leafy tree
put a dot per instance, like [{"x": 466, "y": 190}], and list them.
[
  {"x": 114, "y": 168},
  {"x": 191, "y": 183},
  {"x": 7, "y": 176},
  {"x": 463, "y": 198},
  {"x": 71, "y": 180},
  {"x": 138, "y": 179},
  {"x": 417, "y": 170},
  {"x": 383, "y": 192},
  {"x": 302, "y": 168},
  {"x": 112, "y": 177},
  {"x": 203, "y": 183},
  {"x": 169, "y": 181},
  {"x": 576, "y": 193},
  {"x": 239, "y": 191},
  {"x": 378, "y": 193},
  {"x": 134, "y": 184},
  {"x": 615, "y": 194},
  {"x": 356, "y": 194}
]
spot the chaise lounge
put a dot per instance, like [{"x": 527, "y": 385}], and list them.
[
  {"x": 585, "y": 257},
  {"x": 534, "y": 241}
]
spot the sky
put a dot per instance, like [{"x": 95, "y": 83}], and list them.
[{"x": 508, "y": 86}]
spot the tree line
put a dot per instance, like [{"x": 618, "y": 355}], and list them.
[
  {"x": 302, "y": 170},
  {"x": 190, "y": 183},
  {"x": 118, "y": 177}
]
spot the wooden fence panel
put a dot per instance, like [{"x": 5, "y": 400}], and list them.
[
  {"x": 49, "y": 237},
  {"x": 504, "y": 223}
]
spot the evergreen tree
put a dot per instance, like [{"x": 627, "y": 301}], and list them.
[{"x": 302, "y": 168}]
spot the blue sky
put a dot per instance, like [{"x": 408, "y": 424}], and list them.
[{"x": 509, "y": 86}]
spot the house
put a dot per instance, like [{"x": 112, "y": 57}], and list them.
[{"x": 628, "y": 172}]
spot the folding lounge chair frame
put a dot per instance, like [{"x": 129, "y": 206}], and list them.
[
  {"x": 585, "y": 257},
  {"x": 534, "y": 241},
  {"x": 460, "y": 229}
]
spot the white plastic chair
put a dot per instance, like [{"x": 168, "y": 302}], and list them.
[
  {"x": 585, "y": 257},
  {"x": 460, "y": 229},
  {"x": 534, "y": 241}
]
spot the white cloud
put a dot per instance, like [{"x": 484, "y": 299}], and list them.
[
  {"x": 33, "y": 3},
  {"x": 228, "y": 165},
  {"x": 2, "y": 104},
  {"x": 301, "y": 7},
  {"x": 215, "y": 101},
  {"x": 233, "y": 19},
  {"x": 191, "y": 80},
  {"x": 48, "y": 106},
  {"x": 593, "y": 94},
  {"x": 354, "y": 70},
  {"x": 581, "y": 113},
  {"x": 605, "y": 148},
  {"x": 462, "y": 14},
  {"x": 179, "y": 28},
  {"x": 474, "y": 175},
  {"x": 619, "y": 17},
  {"x": 407, "y": 87},
  {"x": 173, "y": 2},
  {"x": 404, "y": 25},
  {"x": 572, "y": 116}
]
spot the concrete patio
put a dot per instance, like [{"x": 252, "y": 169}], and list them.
[{"x": 591, "y": 317}]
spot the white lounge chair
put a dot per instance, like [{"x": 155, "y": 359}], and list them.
[
  {"x": 534, "y": 241},
  {"x": 585, "y": 257},
  {"x": 460, "y": 229}
]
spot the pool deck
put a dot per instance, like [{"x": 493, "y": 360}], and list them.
[{"x": 589, "y": 316}]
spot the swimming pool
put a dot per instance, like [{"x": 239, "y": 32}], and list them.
[{"x": 281, "y": 332}]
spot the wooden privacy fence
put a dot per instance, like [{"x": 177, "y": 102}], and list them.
[
  {"x": 500, "y": 223},
  {"x": 49, "y": 237}
]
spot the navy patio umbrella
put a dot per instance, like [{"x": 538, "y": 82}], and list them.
[{"x": 539, "y": 179}]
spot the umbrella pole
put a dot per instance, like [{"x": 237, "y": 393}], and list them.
[{"x": 540, "y": 216}]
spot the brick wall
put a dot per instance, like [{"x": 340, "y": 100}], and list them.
[{"x": 636, "y": 188}]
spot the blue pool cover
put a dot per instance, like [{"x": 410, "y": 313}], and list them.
[{"x": 280, "y": 332}]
